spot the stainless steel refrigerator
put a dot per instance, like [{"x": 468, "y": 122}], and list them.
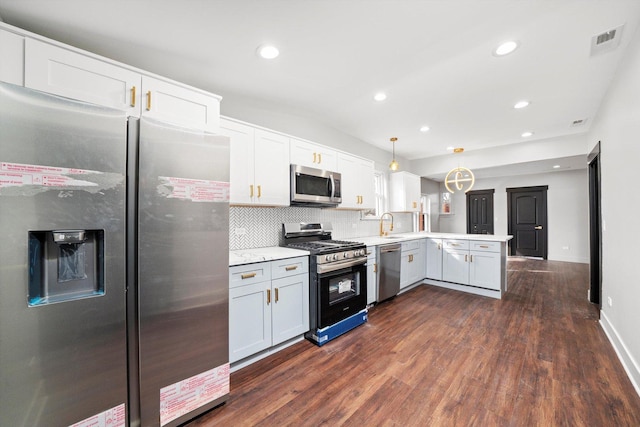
[{"x": 113, "y": 266}]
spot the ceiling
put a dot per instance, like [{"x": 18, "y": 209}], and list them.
[{"x": 433, "y": 59}]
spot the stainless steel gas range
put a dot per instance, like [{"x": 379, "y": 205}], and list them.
[{"x": 337, "y": 279}]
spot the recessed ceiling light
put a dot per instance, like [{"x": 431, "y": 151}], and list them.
[
  {"x": 526, "y": 134},
  {"x": 556, "y": 166},
  {"x": 268, "y": 51},
  {"x": 424, "y": 129},
  {"x": 380, "y": 96},
  {"x": 505, "y": 48},
  {"x": 521, "y": 104}
]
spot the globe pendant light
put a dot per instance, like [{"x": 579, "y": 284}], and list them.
[
  {"x": 394, "y": 164},
  {"x": 459, "y": 176}
]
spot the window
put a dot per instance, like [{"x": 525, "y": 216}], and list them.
[{"x": 380, "y": 195}]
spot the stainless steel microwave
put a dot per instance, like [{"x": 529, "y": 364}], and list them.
[{"x": 314, "y": 187}]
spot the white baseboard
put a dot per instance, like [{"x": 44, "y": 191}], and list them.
[{"x": 629, "y": 364}]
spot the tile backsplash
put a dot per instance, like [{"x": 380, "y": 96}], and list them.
[{"x": 256, "y": 227}]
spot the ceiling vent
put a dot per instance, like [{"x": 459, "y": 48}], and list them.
[{"x": 607, "y": 41}]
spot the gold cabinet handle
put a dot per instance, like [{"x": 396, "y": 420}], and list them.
[
  {"x": 259, "y": 191},
  {"x": 538, "y": 227},
  {"x": 277, "y": 298},
  {"x": 315, "y": 157},
  {"x": 454, "y": 244},
  {"x": 291, "y": 267},
  {"x": 466, "y": 258},
  {"x": 439, "y": 246},
  {"x": 133, "y": 96},
  {"x": 470, "y": 258},
  {"x": 410, "y": 258},
  {"x": 319, "y": 157},
  {"x": 248, "y": 275},
  {"x": 251, "y": 190},
  {"x": 415, "y": 205},
  {"x": 149, "y": 101},
  {"x": 375, "y": 268},
  {"x": 268, "y": 296},
  {"x": 484, "y": 246}
]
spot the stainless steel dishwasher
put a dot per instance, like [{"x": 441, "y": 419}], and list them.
[{"x": 389, "y": 257}]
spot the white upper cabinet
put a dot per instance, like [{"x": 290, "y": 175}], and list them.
[
  {"x": 405, "y": 192},
  {"x": 66, "y": 73},
  {"x": 272, "y": 177},
  {"x": 259, "y": 165},
  {"x": 180, "y": 105},
  {"x": 312, "y": 155},
  {"x": 88, "y": 78},
  {"x": 241, "y": 176},
  {"x": 357, "y": 182},
  {"x": 12, "y": 62}
]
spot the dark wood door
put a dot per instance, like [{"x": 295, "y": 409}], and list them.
[
  {"x": 480, "y": 212},
  {"x": 595, "y": 232},
  {"x": 527, "y": 210}
]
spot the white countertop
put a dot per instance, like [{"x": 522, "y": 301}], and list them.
[
  {"x": 272, "y": 253},
  {"x": 248, "y": 256},
  {"x": 400, "y": 237}
]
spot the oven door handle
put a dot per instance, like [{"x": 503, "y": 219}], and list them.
[
  {"x": 334, "y": 266},
  {"x": 333, "y": 186}
]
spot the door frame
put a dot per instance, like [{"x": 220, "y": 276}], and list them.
[
  {"x": 489, "y": 193},
  {"x": 510, "y": 220},
  {"x": 595, "y": 228}
]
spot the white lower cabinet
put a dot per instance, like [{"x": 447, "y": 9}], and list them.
[
  {"x": 485, "y": 265},
  {"x": 474, "y": 263},
  {"x": 455, "y": 261},
  {"x": 411, "y": 264},
  {"x": 268, "y": 305},
  {"x": 372, "y": 275},
  {"x": 433, "y": 261}
]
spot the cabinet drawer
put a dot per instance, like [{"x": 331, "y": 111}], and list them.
[
  {"x": 455, "y": 244},
  {"x": 241, "y": 275},
  {"x": 410, "y": 245},
  {"x": 484, "y": 246},
  {"x": 289, "y": 267}
]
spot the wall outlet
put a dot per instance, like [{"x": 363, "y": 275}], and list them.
[
  {"x": 240, "y": 231},
  {"x": 610, "y": 301}
]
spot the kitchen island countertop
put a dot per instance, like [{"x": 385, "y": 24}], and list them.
[{"x": 272, "y": 253}]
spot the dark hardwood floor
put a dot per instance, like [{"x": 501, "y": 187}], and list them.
[{"x": 437, "y": 357}]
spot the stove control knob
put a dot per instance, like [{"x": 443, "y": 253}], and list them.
[
  {"x": 327, "y": 258},
  {"x": 347, "y": 255},
  {"x": 335, "y": 257}
]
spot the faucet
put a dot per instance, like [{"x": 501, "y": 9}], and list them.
[{"x": 382, "y": 232}]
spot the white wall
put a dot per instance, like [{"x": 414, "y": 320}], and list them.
[
  {"x": 617, "y": 126},
  {"x": 266, "y": 114},
  {"x": 567, "y": 210}
]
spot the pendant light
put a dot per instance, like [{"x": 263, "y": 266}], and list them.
[
  {"x": 394, "y": 164},
  {"x": 459, "y": 176}
]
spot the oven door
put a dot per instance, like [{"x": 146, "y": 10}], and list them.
[{"x": 342, "y": 289}]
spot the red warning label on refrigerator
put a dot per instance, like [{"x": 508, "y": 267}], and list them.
[
  {"x": 188, "y": 395},
  {"x": 114, "y": 417},
  {"x": 195, "y": 190},
  {"x": 18, "y": 174}
]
